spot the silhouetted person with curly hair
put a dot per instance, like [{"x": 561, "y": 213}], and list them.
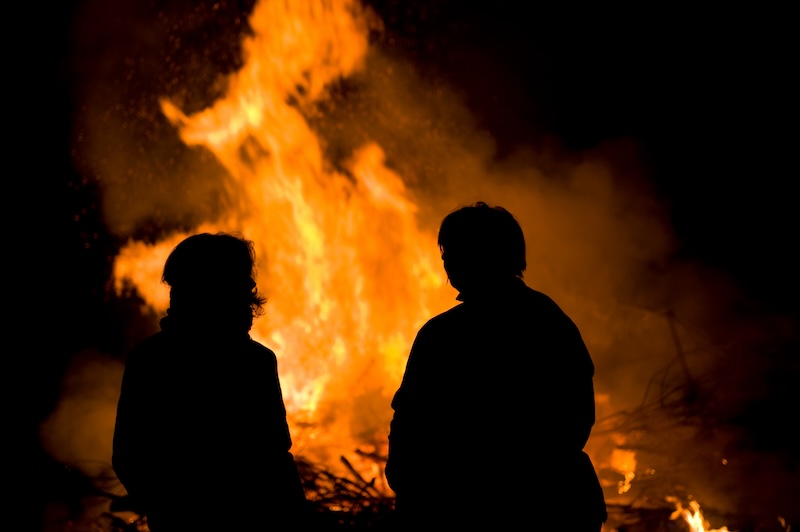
[
  {"x": 201, "y": 439},
  {"x": 497, "y": 400}
]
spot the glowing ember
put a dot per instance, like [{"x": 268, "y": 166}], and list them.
[
  {"x": 693, "y": 516},
  {"x": 349, "y": 274},
  {"x": 624, "y": 461}
]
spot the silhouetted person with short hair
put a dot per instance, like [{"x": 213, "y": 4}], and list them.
[
  {"x": 497, "y": 400},
  {"x": 201, "y": 439}
]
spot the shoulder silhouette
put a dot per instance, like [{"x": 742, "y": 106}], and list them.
[{"x": 497, "y": 399}]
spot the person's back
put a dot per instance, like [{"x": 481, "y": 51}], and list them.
[
  {"x": 497, "y": 400},
  {"x": 201, "y": 436}
]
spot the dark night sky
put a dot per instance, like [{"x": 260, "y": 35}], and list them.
[{"x": 707, "y": 97}]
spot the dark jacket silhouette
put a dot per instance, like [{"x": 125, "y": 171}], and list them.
[
  {"x": 497, "y": 400},
  {"x": 201, "y": 439}
]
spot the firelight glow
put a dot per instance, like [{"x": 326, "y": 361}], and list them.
[
  {"x": 693, "y": 516},
  {"x": 349, "y": 274}
]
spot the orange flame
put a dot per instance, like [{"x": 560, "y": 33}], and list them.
[
  {"x": 349, "y": 274},
  {"x": 693, "y": 516}
]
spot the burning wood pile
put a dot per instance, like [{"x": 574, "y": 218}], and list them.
[
  {"x": 355, "y": 504},
  {"x": 335, "y": 503}
]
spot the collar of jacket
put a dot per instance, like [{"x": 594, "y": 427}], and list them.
[{"x": 492, "y": 290}]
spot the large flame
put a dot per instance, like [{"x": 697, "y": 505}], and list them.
[{"x": 349, "y": 274}]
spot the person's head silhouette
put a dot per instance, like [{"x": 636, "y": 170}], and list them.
[
  {"x": 482, "y": 247},
  {"x": 211, "y": 281}
]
